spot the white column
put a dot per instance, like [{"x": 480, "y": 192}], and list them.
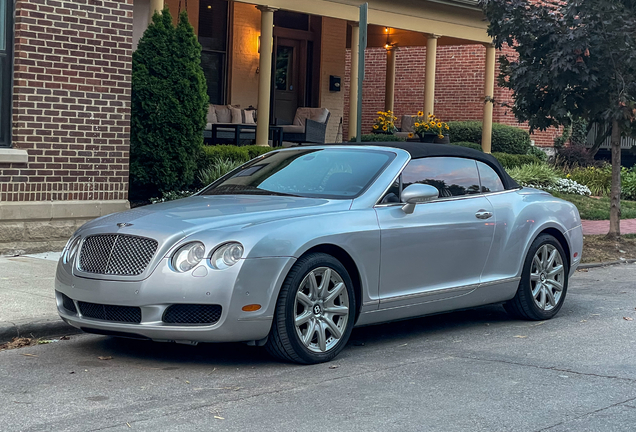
[
  {"x": 429, "y": 79},
  {"x": 353, "y": 84},
  {"x": 155, "y": 6},
  {"x": 389, "y": 93},
  {"x": 489, "y": 93},
  {"x": 265, "y": 75}
]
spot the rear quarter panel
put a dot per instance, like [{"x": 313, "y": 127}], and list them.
[{"x": 521, "y": 216}]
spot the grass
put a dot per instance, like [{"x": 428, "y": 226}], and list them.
[{"x": 597, "y": 208}]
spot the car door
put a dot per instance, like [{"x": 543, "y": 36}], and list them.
[{"x": 440, "y": 250}]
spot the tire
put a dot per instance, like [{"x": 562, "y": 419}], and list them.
[
  {"x": 320, "y": 311},
  {"x": 544, "y": 281}
]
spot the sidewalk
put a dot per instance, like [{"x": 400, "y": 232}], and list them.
[
  {"x": 628, "y": 226},
  {"x": 27, "y": 299}
]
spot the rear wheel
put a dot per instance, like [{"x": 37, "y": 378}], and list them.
[
  {"x": 314, "y": 312},
  {"x": 544, "y": 281}
]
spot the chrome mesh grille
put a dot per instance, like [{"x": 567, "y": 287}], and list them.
[
  {"x": 127, "y": 314},
  {"x": 116, "y": 254},
  {"x": 192, "y": 314}
]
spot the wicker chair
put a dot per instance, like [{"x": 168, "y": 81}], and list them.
[{"x": 309, "y": 126}]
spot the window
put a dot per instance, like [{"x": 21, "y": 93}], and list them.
[
  {"x": 213, "y": 37},
  {"x": 6, "y": 69},
  {"x": 490, "y": 181},
  {"x": 451, "y": 176}
]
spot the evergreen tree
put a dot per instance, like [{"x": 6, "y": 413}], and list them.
[{"x": 169, "y": 106}]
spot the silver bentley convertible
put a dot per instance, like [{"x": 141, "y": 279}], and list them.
[{"x": 296, "y": 247}]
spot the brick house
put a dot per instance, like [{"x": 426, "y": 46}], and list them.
[
  {"x": 65, "y": 71},
  {"x": 65, "y": 117}
]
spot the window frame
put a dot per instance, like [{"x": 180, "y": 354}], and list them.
[
  {"x": 225, "y": 66},
  {"x": 6, "y": 100},
  {"x": 398, "y": 178}
]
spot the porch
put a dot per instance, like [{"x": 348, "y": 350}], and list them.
[{"x": 280, "y": 55}]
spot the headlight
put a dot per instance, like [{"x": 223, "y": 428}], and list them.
[
  {"x": 226, "y": 255},
  {"x": 70, "y": 250},
  {"x": 188, "y": 256}
]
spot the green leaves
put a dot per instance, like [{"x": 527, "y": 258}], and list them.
[{"x": 168, "y": 107}]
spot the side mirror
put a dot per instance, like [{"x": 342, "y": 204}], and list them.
[{"x": 417, "y": 194}]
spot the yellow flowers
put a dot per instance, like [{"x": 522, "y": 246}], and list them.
[
  {"x": 410, "y": 135},
  {"x": 385, "y": 123},
  {"x": 430, "y": 124}
]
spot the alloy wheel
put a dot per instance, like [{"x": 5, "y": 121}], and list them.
[
  {"x": 321, "y": 309},
  {"x": 547, "y": 276}
]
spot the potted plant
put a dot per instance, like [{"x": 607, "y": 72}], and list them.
[
  {"x": 385, "y": 123},
  {"x": 431, "y": 129}
]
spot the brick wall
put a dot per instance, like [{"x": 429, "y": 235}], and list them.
[
  {"x": 459, "y": 88},
  {"x": 332, "y": 62},
  {"x": 71, "y": 102}
]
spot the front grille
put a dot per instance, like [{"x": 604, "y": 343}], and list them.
[
  {"x": 127, "y": 314},
  {"x": 192, "y": 314},
  {"x": 68, "y": 304},
  {"x": 116, "y": 254}
]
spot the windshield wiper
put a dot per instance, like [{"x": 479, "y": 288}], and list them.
[{"x": 244, "y": 190}]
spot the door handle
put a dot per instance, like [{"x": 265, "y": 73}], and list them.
[{"x": 483, "y": 214}]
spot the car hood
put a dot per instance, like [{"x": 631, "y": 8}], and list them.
[{"x": 199, "y": 213}]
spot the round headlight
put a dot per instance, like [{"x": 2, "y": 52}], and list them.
[
  {"x": 226, "y": 255},
  {"x": 188, "y": 256},
  {"x": 70, "y": 250}
]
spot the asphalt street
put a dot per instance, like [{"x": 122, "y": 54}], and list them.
[{"x": 474, "y": 370}]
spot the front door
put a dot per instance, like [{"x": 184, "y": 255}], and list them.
[
  {"x": 287, "y": 91},
  {"x": 440, "y": 250}
]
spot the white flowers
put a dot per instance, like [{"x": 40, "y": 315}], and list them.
[{"x": 564, "y": 186}]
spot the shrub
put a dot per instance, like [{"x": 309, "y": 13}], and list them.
[
  {"x": 564, "y": 186},
  {"x": 171, "y": 196},
  {"x": 505, "y": 139},
  {"x": 573, "y": 156},
  {"x": 509, "y": 161},
  {"x": 579, "y": 132},
  {"x": 598, "y": 179},
  {"x": 230, "y": 152},
  {"x": 628, "y": 187},
  {"x": 560, "y": 141},
  {"x": 536, "y": 174},
  {"x": 536, "y": 151},
  {"x": 169, "y": 103},
  {"x": 217, "y": 169},
  {"x": 471, "y": 145},
  {"x": 379, "y": 138}
]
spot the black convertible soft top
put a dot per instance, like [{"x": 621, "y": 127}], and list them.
[{"x": 422, "y": 150}]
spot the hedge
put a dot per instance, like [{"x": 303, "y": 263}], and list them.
[
  {"x": 471, "y": 145},
  {"x": 233, "y": 153},
  {"x": 515, "y": 160},
  {"x": 505, "y": 139}
]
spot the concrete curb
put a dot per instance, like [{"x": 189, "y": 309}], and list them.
[
  {"x": 605, "y": 264},
  {"x": 37, "y": 330}
]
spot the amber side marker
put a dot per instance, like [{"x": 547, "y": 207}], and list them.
[{"x": 251, "y": 307}]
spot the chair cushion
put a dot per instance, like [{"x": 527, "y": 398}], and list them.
[
  {"x": 211, "y": 118},
  {"x": 408, "y": 123},
  {"x": 248, "y": 116},
  {"x": 223, "y": 114},
  {"x": 316, "y": 114},
  {"x": 293, "y": 129},
  {"x": 237, "y": 115}
]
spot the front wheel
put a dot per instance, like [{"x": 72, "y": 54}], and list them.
[
  {"x": 314, "y": 312},
  {"x": 544, "y": 281}
]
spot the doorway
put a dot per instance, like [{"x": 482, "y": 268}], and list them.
[{"x": 288, "y": 90}]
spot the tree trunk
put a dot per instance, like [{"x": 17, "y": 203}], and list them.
[{"x": 615, "y": 192}]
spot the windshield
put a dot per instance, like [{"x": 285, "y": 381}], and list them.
[{"x": 315, "y": 173}]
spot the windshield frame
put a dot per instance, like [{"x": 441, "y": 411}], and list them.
[{"x": 391, "y": 157}]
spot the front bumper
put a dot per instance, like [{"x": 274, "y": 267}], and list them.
[{"x": 251, "y": 281}]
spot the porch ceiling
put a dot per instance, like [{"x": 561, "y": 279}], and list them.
[
  {"x": 457, "y": 23},
  {"x": 378, "y": 36}
]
